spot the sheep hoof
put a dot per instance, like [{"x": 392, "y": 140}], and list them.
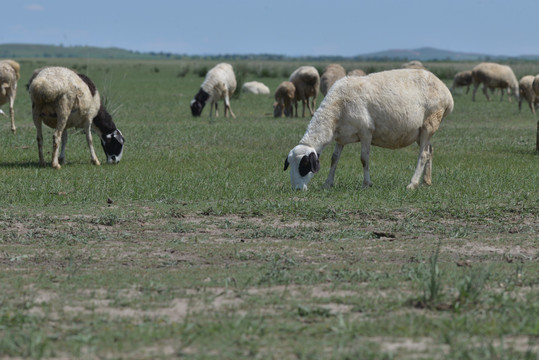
[
  {"x": 57, "y": 167},
  {"x": 14, "y": 130},
  {"x": 96, "y": 162},
  {"x": 367, "y": 185},
  {"x": 412, "y": 186}
]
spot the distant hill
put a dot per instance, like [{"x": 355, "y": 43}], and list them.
[{"x": 422, "y": 54}]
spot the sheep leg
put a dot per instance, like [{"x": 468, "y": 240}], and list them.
[
  {"x": 217, "y": 110},
  {"x": 38, "y": 125},
  {"x": 428, "y": 166},
  {"x": 334, "y": 161},
  {"x": 365, "y": 153},
  {"x": 12, "y": 112},
  {"x": 486, "y": 92},
  {"x": 56, "y": 138},
  {"x": 475, "y": 86},
  {"x": 311, "y": 109},
  {"x": 424, "y": 157},
  {"x": 62, "y": 157},
  {"x": 90, "y": 141},
  {"x": 227, "y": 107}
]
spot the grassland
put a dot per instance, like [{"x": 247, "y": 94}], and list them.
[{"x": 195, "y": 247}]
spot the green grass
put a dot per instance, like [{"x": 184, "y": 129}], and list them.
[{"x": 194, "y": 246}]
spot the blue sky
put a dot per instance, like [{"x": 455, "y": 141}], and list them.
[{"x": 287, "y": 27}]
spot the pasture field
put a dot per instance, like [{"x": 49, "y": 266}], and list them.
[{"x": 195, "y": 246}]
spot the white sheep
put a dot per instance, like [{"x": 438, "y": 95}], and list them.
[
  {"x": 284, "y": 97},
  {"x": 219, "y": 84},
  {"x": 9, "y": 75},
  {"x": 255, "y": 87},
  {"x": 307, "y": 82},
  {"x": 494, "y": 76},
  {"x": 356, "y": 72},
  {"x": 390, "y": 109},
  {"x": 332, "y": 73},
  {"x": 62, "y": 99},
  {"x": 461, "y": 79},
  {"x": 414, "y": 64},
  {"x": 525, "y": 89}
]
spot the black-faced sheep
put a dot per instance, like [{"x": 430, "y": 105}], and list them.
[
  {"x": 219, "y": 84},
  {"x": 307, "y": 82},
  {"x": 284, "y": 97},
  {"x": 525, "y": 89},
  {"x": 255, "y": 87},
  {"x": 63, "y": 99},
  {"x": 9, "y": 75},
  {"x": 461, "y": 79},
  {"x": 332, "y": 73},
  {"x": 494, "y": 76},
  {"x": 390, "y": 109}
]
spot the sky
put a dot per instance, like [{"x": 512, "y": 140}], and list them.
[{"x": 281, "y": 27}]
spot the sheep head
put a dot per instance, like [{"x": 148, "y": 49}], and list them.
[
  {"x": 112, "y": 139},
  {"x": 198, "y": 103},
  {"x": 304, "y": 163}
]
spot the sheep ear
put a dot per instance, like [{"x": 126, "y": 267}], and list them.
[
  {"x": 286, "y": 164},
  {"x": 309, "y": 163}
]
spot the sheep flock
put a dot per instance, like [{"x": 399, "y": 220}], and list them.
[{"x": 356, "y": 107}]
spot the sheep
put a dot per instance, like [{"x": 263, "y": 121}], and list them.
[
  {"x": 284, "y": 97},
  {"x": 332, "y": 73},
  {"x": 9, "y": 75},
  {"x": 462, "y": 78},
  {"x": 525, "y": 88},
  {"x": 62, "y": 98},
  {"x": 219, "y": 84},
  {"x": 307, "y": 82},
  {"x": 493, "y": 76},
  {"x": 255, "y": 87},
  {"x": 414, "y": 64},
  {"x": 356, "y": 72},
  {"x": 391, "y": 109}
]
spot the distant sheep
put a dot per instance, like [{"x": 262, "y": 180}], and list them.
[
  {"x": 390, "y": 109},
  {"x": 525, "y": 88},
  {"x": 332, "y": 73},
  {"x": 356, "y": 72},
  {"x": 63, "y": 99},
  {"x": 219, "y": 84},
  {"x": 462, "y": 78},
  {"x": 9, "y": 75},
  {"x": 494, "y": 76},
  {"x": 284, "y": 97},
  {"x": 414, "y": 64},
  {"x": 307, "y": 82},
  {"x": 255, "y": 87}
]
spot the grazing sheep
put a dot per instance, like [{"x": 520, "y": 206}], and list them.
[
  {"x": 332, "y": 73},
  {"x": 219, "y": 84},
  {"x": 63, "y": 99},
  {"x": 525, "y": 89},
  {"x": 414, "y": 64},
  {"x": 462, "y": 78},
  {"x": 307, "y": 82},
  {"x": 356, "y": 72},
  {"x": 9, "y": 75},
  {"x": 255, "y": 87},
  {"x": 390, "y": 109},
  {"x": 494, "y": 76},
  {"x": 284, "y": 97}
]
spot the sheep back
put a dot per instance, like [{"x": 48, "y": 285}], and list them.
[
  {"x": 356, "y": 72},
  {"x": 495, "y": 75},
  {"x": 368, "y": 103},
  {"x": 255, "y": 87},
  {"x": 220, "y": 81},
  {"x": 332, "y": 73},
  {"x": 51, "y": 83},
  {"x": 306, "y": 80}
]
